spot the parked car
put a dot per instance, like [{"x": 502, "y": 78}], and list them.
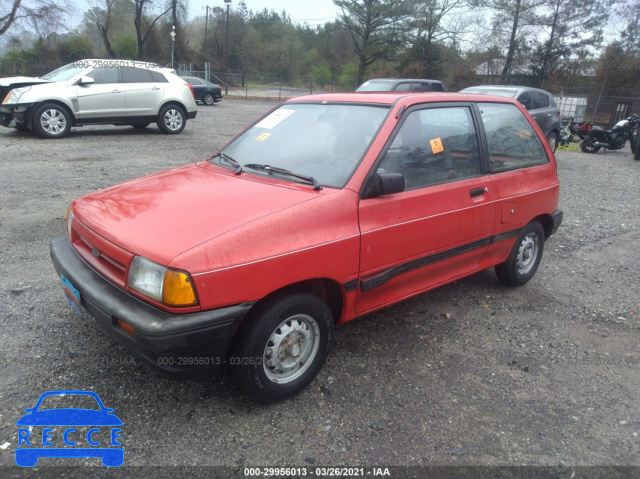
[
  {"x": 327, "y": 208},
  {"x": 90, "y": 92},
  {"x": 539, "y": 103},
  {"x": 401, "y": 84},
  {"x": 204, "y": 91}
]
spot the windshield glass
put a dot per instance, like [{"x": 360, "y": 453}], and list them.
[
  {"x": 63, "y": 73},
  {"x": 376, "y": 86},
  {"x": 326, "y": 142}
]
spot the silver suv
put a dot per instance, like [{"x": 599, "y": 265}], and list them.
[
  {"x": 89, "y": 92},
  {"x": 539, "y": 103}
]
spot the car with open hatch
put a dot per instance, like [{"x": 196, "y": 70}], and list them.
[
  {"x": 97, "y": 92},
  {"x": 325, "y": 209}
]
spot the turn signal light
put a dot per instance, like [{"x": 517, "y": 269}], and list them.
[{"x": 178, "y": 289}]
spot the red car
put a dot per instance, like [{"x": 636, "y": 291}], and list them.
[{"x": 327, "y": 208}]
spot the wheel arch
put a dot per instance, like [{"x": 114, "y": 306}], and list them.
[
  {"x": 55, "y": 102},
  {"x": 547, "y": 224},
  {"x": 173, "y": 102}
]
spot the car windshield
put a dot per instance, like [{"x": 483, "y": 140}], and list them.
[
  {"x": 66, "y": 401},
  {"x": 376, "y": 86},
  {"x": 63, "y": 73},
  {"x": 495, "y": 92},
  {"x": 322, "y": 141}
]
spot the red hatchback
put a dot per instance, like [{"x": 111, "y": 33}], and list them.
[{"x": 327, "y": 208}]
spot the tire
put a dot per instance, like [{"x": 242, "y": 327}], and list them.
[
  {"x": 524, "y": 258},
  {"x": 636, "y": 155},
  {"x": 553, "y": 141},
  {"x": 588, "y": 146},
  {"x": 282, "y": 347},
  {"x": 172, "y": 119},
  {"x": 140, "y": 126},
  {"x": 208, "y": 99},
  {"x": 50, "y": 120},
  {"x": 633, "y": 142}
]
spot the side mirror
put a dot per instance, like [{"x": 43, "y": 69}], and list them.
[
  {"x": 380, "y": 184},
  {"x": 85, "y": 80}
]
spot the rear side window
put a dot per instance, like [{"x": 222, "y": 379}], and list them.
[
  {"x": 137, "y": 75},
  {"x": 434, "y": 145},
  {"x": 437, "y": 87},
  {"x": 511, "y": 139},
  {"x": 158, "y": 77},
  {"x": 195, "y": 81},
  {"x": 540, "y": 100}
]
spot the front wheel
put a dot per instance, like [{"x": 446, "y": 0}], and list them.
[
  {"x": 588, "y": 146},
  {"x": 636, "y": 155},
  {"x": 282, "y": 347},
  {"x": 633, "y": 142},
  {"x": 553, "y": 141},
  {"x": 524, "y": 258},
  {"x": 172, "y": 119},
  {"x": 51, "y": 120}
]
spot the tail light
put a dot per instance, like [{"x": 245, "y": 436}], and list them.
[{"x": 191, "y": 88}]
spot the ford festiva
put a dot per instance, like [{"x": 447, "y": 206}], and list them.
[
  {"x": 91, "y": 92},
  {"x": 539, "y": 103},
  {"x": 327, "y": 208}
]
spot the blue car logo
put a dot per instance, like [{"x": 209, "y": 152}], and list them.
[{"x": 69, "y": 426}]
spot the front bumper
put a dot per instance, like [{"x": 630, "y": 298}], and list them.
[{"x": 171, "y": 343}]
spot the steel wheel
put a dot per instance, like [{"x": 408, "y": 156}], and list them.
[
  {"x": 553, "y": 141},
  {"x": 172, "y": 119},
  {"x": 524, "y": 258},
  {"x": 291, "y": 349},
  {"x": 208, "y": 99},
  {"x": 527, "y": 253},
  {"x": 282, "y": 346},
  {"x": 51, "y": 121}
]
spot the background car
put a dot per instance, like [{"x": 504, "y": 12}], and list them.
[
  {"x": 90, "y": 92},
  {"x": 401, "y": 84},
  {"x": 205, "y": 91},
  {"x": 539, "y": 103}
]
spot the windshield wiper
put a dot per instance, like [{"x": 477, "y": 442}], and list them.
[
  {"x": 230, "y": 161},
  {"x": 275, "y": 169}
]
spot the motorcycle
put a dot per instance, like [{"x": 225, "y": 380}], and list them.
[{"x": 613, "y": 139}]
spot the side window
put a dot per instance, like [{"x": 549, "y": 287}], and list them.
[
  {"x": 437, "y": 87},
  {"x": 526, "y": 100},
  {"x": 434, "y": 146},
  {"x": 195, "y": 81},
  {"x": 403, "y": 87},
  {"x": 137, "y": 75},
  {"x": 540, "y": 100},
  {"x": 511, "y": 139},
  {"x": 102, "y": 76},
  {"x": 419, "y": 86},
  {"x": 158, "y": 77}
]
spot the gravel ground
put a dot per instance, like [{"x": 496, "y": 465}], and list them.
[{"x": 472, "y": 374}]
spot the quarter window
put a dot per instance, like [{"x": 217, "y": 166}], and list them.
[
  {"x": 434, "y": 146},
  {"x": 511, "y": 139}
]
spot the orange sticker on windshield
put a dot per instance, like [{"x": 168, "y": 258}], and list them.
[
  {"x": 436, "y": 145},
  {"x": 263, "y": 136}
]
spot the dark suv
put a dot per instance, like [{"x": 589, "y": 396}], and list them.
[
  {"x": 539, "y": 103},
  {"x": 401, "y": 84}
]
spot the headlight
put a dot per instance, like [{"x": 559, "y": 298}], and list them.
[
  {"x": 69, "y": 220},
  {"x": 165, "y": 285},
  {"x": 14, "y": 95}
]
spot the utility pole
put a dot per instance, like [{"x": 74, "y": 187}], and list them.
[{"x": 206, "y": 23}]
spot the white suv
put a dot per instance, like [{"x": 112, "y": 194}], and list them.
[{"x": 118, "y": 92}]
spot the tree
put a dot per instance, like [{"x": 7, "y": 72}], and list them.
[
  {"x": 512, "y": 17},
  {"x": 377, "y": 29},
  {"x": 34, "y": 12},
  {"x": 142, "y": 24}
]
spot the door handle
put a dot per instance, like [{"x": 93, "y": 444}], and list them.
[
  {"x": 115, "y": 91},
  {"x": 477, "y": 192},
  {"x": 156, "y": 88}
]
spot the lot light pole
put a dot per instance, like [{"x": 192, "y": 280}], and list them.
[
  {"x": 173, "y": 42},
  {"x": 226, "y": 50}
]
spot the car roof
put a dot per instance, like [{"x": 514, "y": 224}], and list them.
[
  {"x": 394, "y": 80},
  {"x": 513, "y": 88},
  {"x": 393, "y": 97}
]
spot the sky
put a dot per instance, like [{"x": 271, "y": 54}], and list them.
[{"x": 313, "y": 12}]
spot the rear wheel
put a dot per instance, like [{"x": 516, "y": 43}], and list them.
[
  {"x": 172, "y": 119},
  {"x": 208, "y": 99},
  {"x": 51, "y": 120},
  {"x": 588, "y": 146},
  {"x": 283, "y": 347},
  {"x": 636, "y": 155},
  {"x": 524, "y": 258},
  {"x": 633, "y": 142}
]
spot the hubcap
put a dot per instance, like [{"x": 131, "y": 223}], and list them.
[
  {"x": 291, "y": 349},
  {"x": 208, "y": 99},
  {"x": 53, "y": 122},
  {"x": 173, "y": 119},
  {"x": 527, "y": 253}
]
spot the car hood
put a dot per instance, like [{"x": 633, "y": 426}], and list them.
[
  {"x": 69, "y": 417},
  {"x": 164, "y": 215}
]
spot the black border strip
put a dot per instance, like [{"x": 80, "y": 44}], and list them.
[
  {"x": 350, "y": 286},
  {"x": 389, "y": 274}
]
